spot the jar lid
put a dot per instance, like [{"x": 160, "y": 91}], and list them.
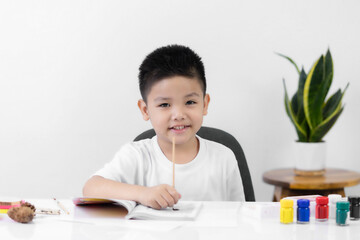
[
  {"x": 333, "y": 198},
  {"x": 354, "y": 200},
  {"x": 322, "y": 200},
  {"x": 303, "y": 202},
  {"x": 286, "y": 203},
  {"x": 343, "y": 205}
]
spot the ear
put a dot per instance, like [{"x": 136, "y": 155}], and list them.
[
  {"x": 206, "y": 104},
  {"x": 143, "y": 109}
]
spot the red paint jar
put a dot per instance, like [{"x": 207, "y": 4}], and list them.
[{"x": 322, "y": 209}]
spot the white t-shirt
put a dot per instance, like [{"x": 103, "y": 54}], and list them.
[{"x": 213, "y": 175}]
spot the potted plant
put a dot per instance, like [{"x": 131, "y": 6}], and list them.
[{"x": 312, "y": 114}]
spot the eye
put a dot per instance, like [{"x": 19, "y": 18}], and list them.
[
  {"x": 164, "y": 105},
  {"x": 190, "y": 102}
]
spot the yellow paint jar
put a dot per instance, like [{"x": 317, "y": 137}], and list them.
[{"x": 286, "y": 211}]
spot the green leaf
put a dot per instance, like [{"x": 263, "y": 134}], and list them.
[
  {"x": 300, "y": 96},
  {"x": 313, "y": 90},
  {"x": 304, "y": 125},
  {"x": 281, "y": 55},
  {"x": 321, "y": 130},
  {"x": 329, "y": 73},
  {"x": 286, "y": 101},
  {"x": 294, "y": 103},
  {"x": 301, "y": 132},
  {"x": 333, "y": 103}
]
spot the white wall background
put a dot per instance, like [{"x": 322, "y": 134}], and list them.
[{"x": 68, "y": 80}]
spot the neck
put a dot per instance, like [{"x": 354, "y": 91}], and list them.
[{"x": 184, "y": 153}]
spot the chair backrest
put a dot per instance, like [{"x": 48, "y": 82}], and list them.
[{"x": 229, "y": 141}]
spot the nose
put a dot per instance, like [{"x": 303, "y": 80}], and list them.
[{"x": 178, "y": 113}]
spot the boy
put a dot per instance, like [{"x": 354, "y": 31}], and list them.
[{"x": 173, "y": 89}]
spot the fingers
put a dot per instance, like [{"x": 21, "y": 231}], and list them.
[
  {"x": 161, "y": 196},
  {"x": 162, "y": 202},
  {"x": 155, "y": 205},
  {"x": 174, "y": 194},
  {"x": 168, "y": 196}
]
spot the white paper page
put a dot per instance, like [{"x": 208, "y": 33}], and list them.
[
  {"x": 129, "y": 205},
  {"x": 83, "y": 217},
  {"x": 186, "y": 211}
]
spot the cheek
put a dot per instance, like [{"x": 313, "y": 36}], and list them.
[
  {"x": 158, "y": 118},
  {"x": 197, "y": 115}
]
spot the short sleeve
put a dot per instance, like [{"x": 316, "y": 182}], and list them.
[{"x": 125, "y": 167}]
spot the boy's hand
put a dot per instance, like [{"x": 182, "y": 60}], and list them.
[{"x": 160, "y": 196}]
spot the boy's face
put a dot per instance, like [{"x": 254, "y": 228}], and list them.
[{"x": 175, "y": 107}]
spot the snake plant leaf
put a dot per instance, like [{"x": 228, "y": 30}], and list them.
[
  {"x": 282, "y": 55},
  {"x": 313, "y": 94},
  {"x": 304, "y": 125},
  {"x": 333, "y": 103},
  {"x": 301, "y": 132},
  {"x": 329, "y": 73},
  {"x": 321, "y": 130},
  {"x": 287, "y": 108},
  {"x": 300, "y": 99},
  {"x": 294, "y": 104}
]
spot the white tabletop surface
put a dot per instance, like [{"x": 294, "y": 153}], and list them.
[{"x": 217, "y": 220}]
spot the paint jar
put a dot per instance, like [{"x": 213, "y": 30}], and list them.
[
  {"x": 286, "y": 211},
  {"x": 333, "y": 198},
  {"x": 354, "y": 207},
  {"x": 303, "y": 211},
  {"x": 342, "y": 213},
  {"x": 322, "y": 209}
]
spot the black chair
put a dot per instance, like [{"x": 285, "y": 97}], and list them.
[{"x": 229, "y": 141}]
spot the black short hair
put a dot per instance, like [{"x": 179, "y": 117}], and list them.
[{"x": 170, "y": 61}]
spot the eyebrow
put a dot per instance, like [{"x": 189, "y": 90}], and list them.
[
  {"x": 160, "y": 99},
  {"x": 193, "y": 94}
]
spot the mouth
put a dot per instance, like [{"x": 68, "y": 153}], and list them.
[{"x": 179, "y": 128}]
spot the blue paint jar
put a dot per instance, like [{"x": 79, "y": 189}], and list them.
[{"x": 303, "y": 211}]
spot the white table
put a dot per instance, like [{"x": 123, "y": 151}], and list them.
[{"x": 217, "y": 220}]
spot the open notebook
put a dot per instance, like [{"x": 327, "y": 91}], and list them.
[{"x": 185, "y": 210}]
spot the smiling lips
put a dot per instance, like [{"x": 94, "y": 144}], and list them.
[{"x": 179, "y": 128}]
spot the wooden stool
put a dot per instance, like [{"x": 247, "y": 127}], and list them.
[{"x": 287, "y": 183}]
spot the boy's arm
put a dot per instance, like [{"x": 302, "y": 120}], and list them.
[{"x": 160, "y": 196}]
